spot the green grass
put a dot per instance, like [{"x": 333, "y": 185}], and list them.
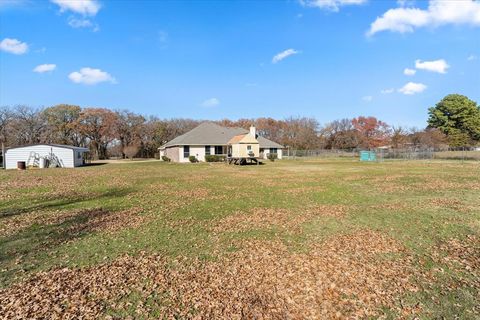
[{"x": 181, "y": 203}]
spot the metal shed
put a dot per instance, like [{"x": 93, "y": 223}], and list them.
[{"x": 45, "y": 155}]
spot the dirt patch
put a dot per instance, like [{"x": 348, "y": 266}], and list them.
[
  {"x": 259, "y": 218},
  {"x": 346, "y": 277}
]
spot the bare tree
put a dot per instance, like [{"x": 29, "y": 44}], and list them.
[
  {"x": 129, "y": 129},
  {"x": 27, "y": 125},
  {"x": 399, "y": 137},
  {"x": 98, "y": 125},
  {"x": 5, "y": 119}
]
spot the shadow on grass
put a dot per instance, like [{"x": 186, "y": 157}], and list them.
[
  {"x": 94, "y": 164},
  {"x": 26, "y": 249},
  {"x": 59, "y": 203}
]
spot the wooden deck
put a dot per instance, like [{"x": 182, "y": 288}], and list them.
[{"x": 244, "y": 160}]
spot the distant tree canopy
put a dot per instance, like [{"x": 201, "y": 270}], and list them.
[
  {"x": 122, "y": 133},
  {"x": 458, "y": 118}
]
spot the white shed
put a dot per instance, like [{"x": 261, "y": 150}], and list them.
[{"x": 35, "y": 155}]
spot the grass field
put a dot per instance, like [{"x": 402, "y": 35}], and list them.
[{"x": 332, "y": 238}]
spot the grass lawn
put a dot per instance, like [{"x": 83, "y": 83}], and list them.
[{"x": 331, "y": 238}]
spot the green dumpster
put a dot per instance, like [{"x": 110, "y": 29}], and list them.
[{"x": 368, "y": 156}]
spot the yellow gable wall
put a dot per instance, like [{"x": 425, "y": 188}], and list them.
[
  {"x": 248, "y": 138},
  {"x": 240, "y": 149}
]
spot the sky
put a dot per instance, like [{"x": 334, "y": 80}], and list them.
[{"x": 328, "y": 59}]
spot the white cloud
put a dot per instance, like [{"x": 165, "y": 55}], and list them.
[
  {"x": 13, "y": 46},
  {"x": 439, "y": 66},
  {"x": 412, "y": 88},
  {"x": 212, "y": 102},
  {"x": 82, "y": 23},
  {"x": 472, "y": 57},
  {"x": 284, "y": 54},
  {"x": 91, "y": 76},
  {"x": 409, "y": 72},
  {"x": 439, "y": 12},
  {"x": 48, "y": 67},
  {"x": 84, "y": 7},
  {"x": 367, "y": 98},
  {"x": 387, "y": 91},
  {"x": 331, "y": 5}
]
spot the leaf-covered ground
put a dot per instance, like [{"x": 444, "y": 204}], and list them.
[{"x": 287, "y": 240}]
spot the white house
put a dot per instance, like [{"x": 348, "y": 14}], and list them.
[
  {"x": 212, "y": 139},
  {"x": 45, "y": 155}
]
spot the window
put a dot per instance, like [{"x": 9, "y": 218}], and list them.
[
  {"x": 273, "y": 150},
  {"x": 207, "y": 150},
  {"x": 186, "y": 151},
  {"x": 218, "y": 150},
  {"x": 249, "y": 148},
  {"x": 79, "y": 155}
]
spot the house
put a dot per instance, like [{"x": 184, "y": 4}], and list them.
[
  {"x": 212, "y": 139},
  {"x": 45, "y": 155}
]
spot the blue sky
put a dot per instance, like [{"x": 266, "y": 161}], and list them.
[{"x": 216, "y": 59}]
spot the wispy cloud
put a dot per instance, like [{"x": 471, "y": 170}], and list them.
[
  {"x": 412, "y": 88},
  {"x": 212, "y": 102},
  {"x": 91, "y": 76},
  {"x": 367, "y": 98},
  {"x": 83, "y": 23},
  {"x": 331, "y": 5},
  {"x": 387, "y": 91},
  {"x": 472, "y": 57},
  {"x": 13, "y": 46},
  {"x": 439, "y": 66},
  {"x": 284, "y": 54},
  {"x": 47, "y": 67},
  {"x": 83, "y": 7},
  {"x": 439, "y": 12},
  {"x": 7, "y": 4},
  {"x": 409, "y": 72}
]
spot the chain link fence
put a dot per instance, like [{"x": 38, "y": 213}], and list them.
[{"x": 463, "y": 154}]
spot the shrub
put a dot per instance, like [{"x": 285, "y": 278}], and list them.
[
  {"x": 272, "y": 156},
  {"x": 192, "y": 159},
  {"x": 166, "y": 159},
  {"x": 214, "y": 158},
  {"x": 131, "y": 151}
]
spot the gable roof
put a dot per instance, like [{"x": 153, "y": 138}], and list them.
[
  {"x": 210, "y": 134},
  {"x": 243, "y": 138},
  {"x": 237, "y": 139},
  {"x": 207, "y": 133},
  {"x": 265, "y": 143},
  {"x": 52, "y": 145}
]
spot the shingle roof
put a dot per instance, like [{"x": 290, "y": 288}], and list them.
[
  {"x": 265, "y": 143},
  {"x": 207, "y": 133},
  {"x": 210, "y": 134}
]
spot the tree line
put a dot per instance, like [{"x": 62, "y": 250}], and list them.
[{"x": 454, "y": 121}]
